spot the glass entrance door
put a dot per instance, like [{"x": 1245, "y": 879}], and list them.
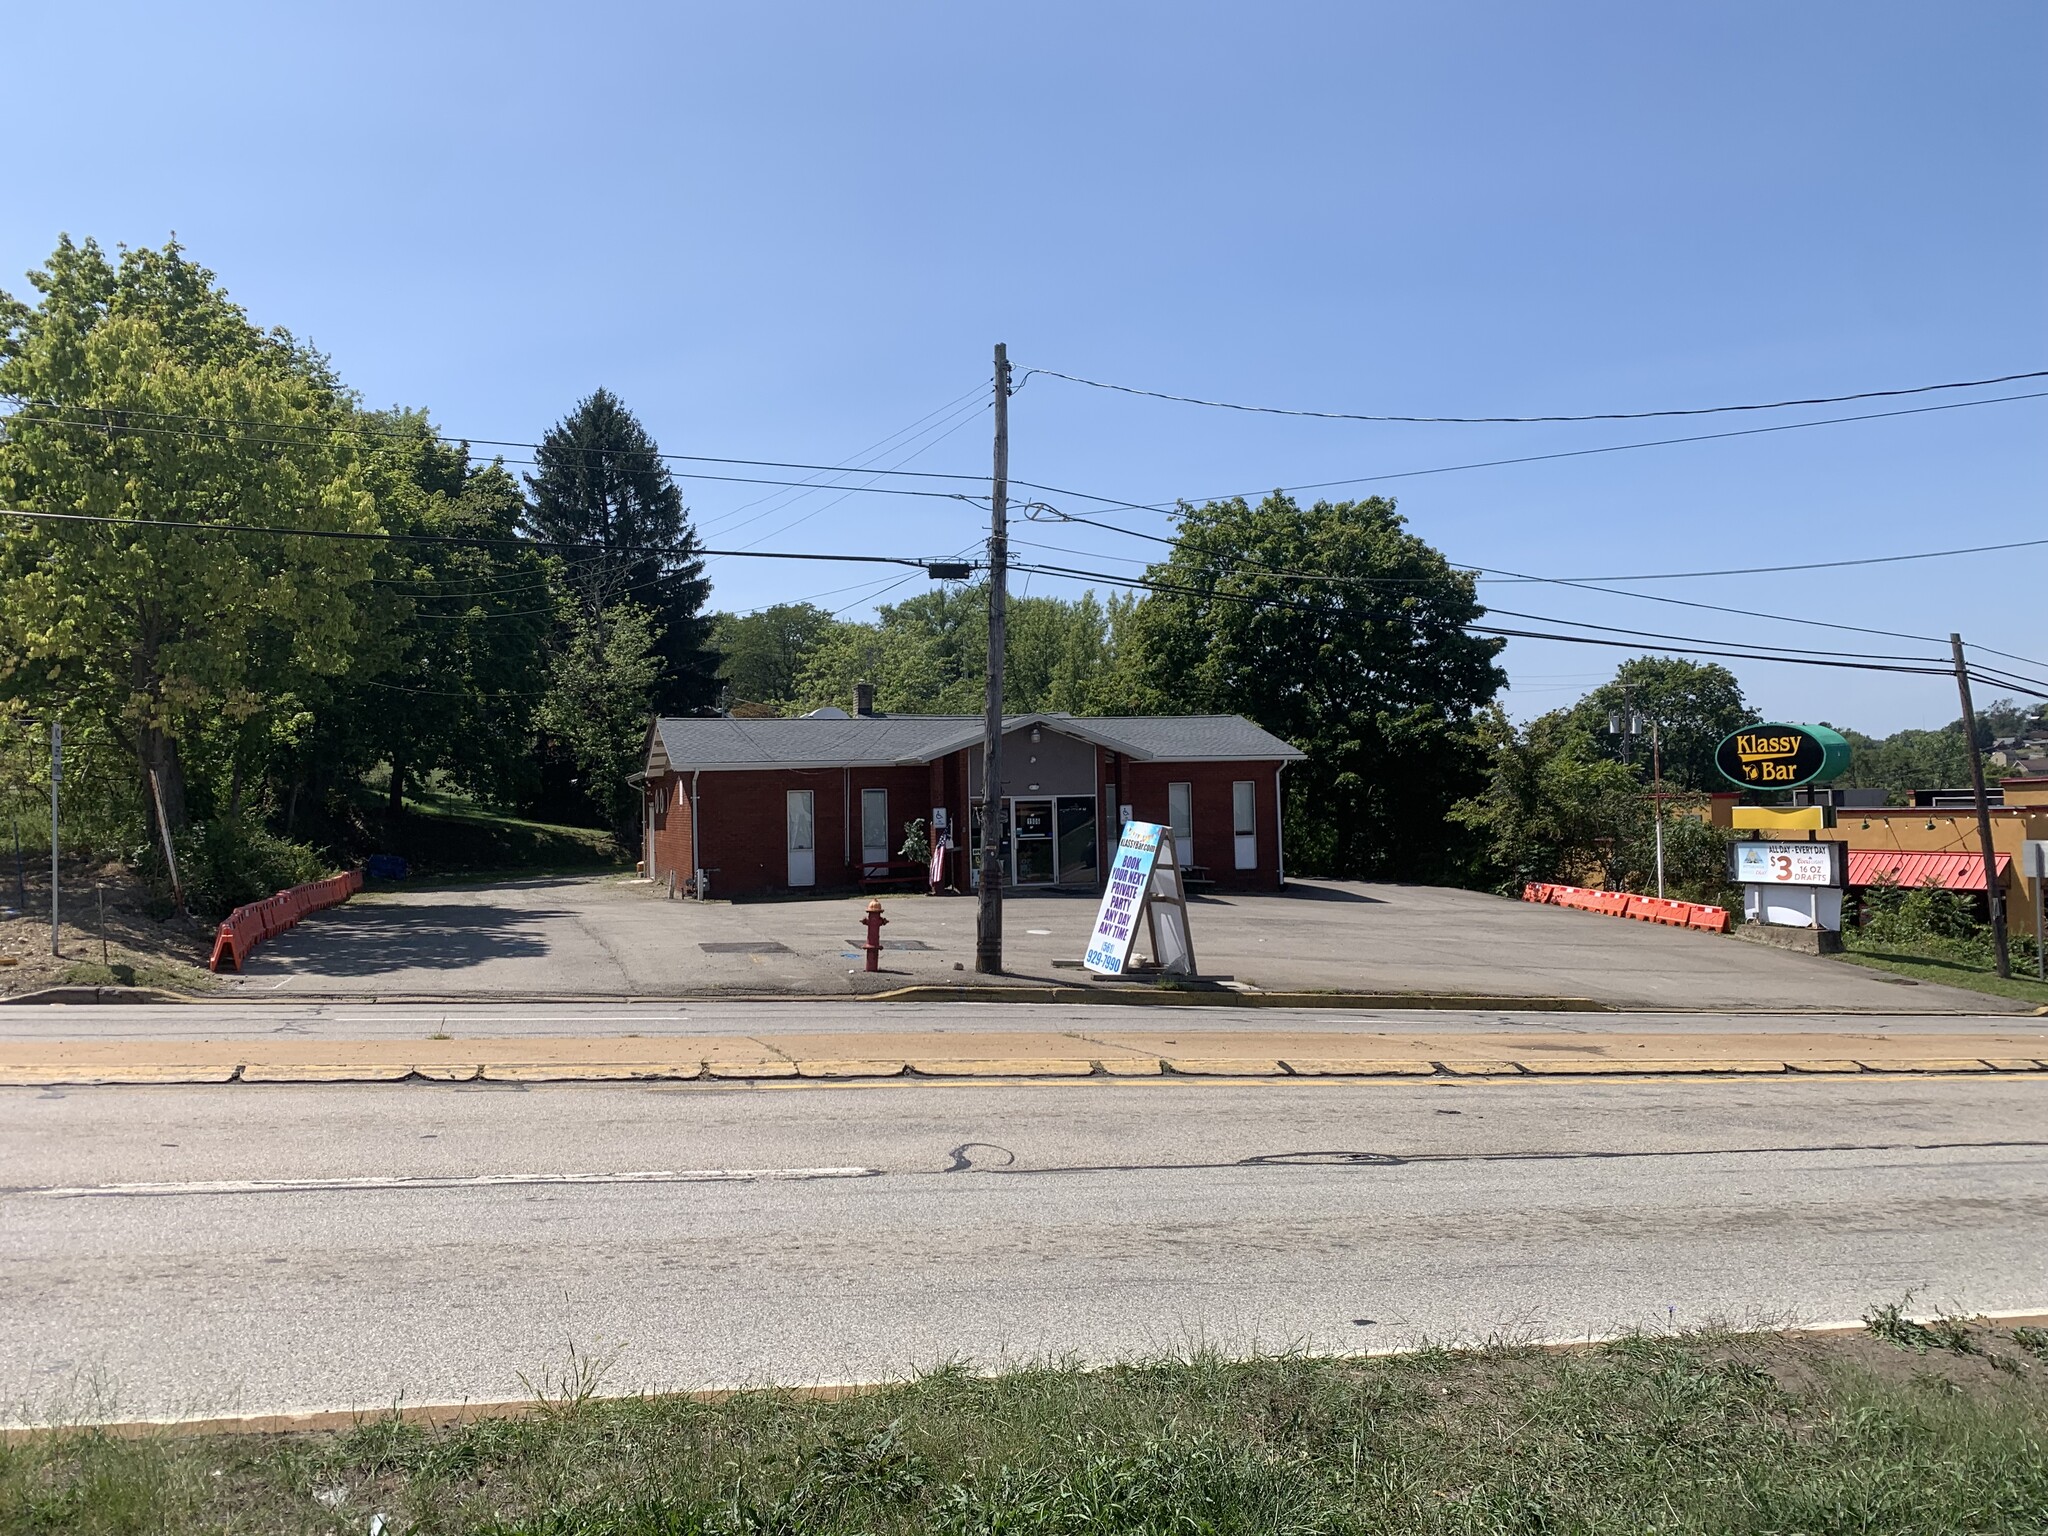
[
  {"x": 1035, "y": 859},
  {"x": 1077, "y": 840}
]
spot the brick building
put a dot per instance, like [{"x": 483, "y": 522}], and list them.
[{"x": 778, "y": 807}]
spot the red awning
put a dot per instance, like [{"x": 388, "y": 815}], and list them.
[{"x": 1950, "y": 871}]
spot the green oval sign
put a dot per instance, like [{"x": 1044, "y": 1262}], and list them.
[{"x": 1772, "y": 756}]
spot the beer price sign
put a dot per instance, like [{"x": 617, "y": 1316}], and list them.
[
  {"x": 1781, "y": 756},
  {"x": 1820, "y": 864}
]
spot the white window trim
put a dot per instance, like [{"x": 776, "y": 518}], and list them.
[
  {"x": 884, "y": 793},
  {"x": 1244, "y": 843}
]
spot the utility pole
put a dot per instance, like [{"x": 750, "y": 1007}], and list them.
[
  {"x": 56, "y": 778},
  {"x": 988, "y": 932},
  {"x": 1992, "y": 896},
  {"x": 1657, "y": 798}
]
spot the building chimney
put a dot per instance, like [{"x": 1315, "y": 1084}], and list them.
[{"x": 863, "y": 698}]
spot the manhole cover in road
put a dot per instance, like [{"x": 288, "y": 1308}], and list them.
[
  {"x": 746, "y": 947},
  {"x": 892, "y": 943}
]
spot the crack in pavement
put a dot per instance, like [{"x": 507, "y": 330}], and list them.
[{"x": 963, "y": 1163}]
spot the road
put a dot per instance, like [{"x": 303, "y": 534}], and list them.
[{"x": 909, "y": 1223}]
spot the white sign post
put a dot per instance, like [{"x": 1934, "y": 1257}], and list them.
[
  {"x": 2034, "y": 860},
  {"x": 1144, "y": 883}
]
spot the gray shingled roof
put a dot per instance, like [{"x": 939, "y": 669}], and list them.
[{"x": 886, "y": 740}]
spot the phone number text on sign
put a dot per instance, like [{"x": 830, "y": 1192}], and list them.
[{"x": 1785, "y": 863}]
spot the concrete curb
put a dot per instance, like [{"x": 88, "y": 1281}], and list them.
[
  {"x": 70, "y": 995},
  {"x": 1171, "y": 996},
  {"x": 451, "y": 1414},
  {"x": 81, "y": 1064},
  {"x": 1141, "y": 996}
]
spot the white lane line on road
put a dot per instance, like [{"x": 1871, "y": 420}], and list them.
[{"x": 454, "y": 1181}]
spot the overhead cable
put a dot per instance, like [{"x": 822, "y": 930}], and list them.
[
  {"x": 1693, "y": 648},
  {"x": 1496, "y": 574},
  {"x": 1697, "y": 410},
  {"x": 1173, "y": 507},
  {"x": 353, "y": 428},
  {"x": 687, "y": 551}
]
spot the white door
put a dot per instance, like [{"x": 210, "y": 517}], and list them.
[
  {"x": 1180, "y": 817},
  {"x": 874, "y": 826},
  {"x": 1244, "y": 823},
  {"x": 803, "y": 838}
]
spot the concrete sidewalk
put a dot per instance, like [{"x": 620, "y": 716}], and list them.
[
  {"x": 597, "y": 938},
  {"x": 1011, "y": 1054}
]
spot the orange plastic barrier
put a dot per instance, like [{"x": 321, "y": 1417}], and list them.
[
  {"x": 247, "y": 926},
  {"x": 1644, "y": 909}
]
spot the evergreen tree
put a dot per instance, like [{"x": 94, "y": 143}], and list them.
[{"x": 601, "y": 482}]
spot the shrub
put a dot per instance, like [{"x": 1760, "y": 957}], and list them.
[
  {"x": 1931, "y": 920},
  {"x": 227, "y": 862}
]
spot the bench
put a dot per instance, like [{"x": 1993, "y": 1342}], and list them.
[{"x": 891, "y": 873}]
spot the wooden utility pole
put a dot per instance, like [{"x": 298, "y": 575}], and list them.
[
  {"x": 1992, "y": 896},
  {"x": 988, "y": 931},
  {"x": 56, "y": 778}
]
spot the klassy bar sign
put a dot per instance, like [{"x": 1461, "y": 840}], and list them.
[{"x": 1781, "y": 756}]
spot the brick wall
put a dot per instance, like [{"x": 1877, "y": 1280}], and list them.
[
  {"x": 1143, "y": 788},
  {"x": 743, "y": 840},
  {"x": 743, "y": 837},
  {"x": 671, "y": 828}
]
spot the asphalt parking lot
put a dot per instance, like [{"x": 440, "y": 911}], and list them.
[{"x": 616, "y": 937}]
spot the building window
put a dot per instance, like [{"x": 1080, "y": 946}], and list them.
[
  {"x": 1180, "y": 819},
  {"x": 874, "y": 826},
  {"x": 1244, "y": 823}
]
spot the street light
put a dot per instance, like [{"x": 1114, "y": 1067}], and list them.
[{"x": 1634, "y": 721}]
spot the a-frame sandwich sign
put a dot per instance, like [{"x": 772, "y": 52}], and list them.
[{"x": 1146, "y": 886}]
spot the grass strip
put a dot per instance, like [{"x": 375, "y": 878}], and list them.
[
  {"x": 1905, "y": 1429},
  {"x": 1946, "y": 971}
]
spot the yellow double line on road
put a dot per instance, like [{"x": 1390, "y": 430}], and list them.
[{"x": 1023, "y": 1055}]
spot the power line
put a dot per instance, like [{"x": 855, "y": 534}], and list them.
[
  {"x": 951, "y": 424},
  {"x": 860, "y": 461},
  {"x": 1688, "y": 647},
  {"x": 113, "y": 429},
  {"x": 1701, "y": 410},
  {"x": 687, "y": 551},
  {"x": 1495, "y": 574},
  {"x": 1616, "y": 629},
  {"x": 448, "y": 439},
  {"x": 1173, "y": 507},
  {"x": 1689, "y": 650},
  {"x": 1812, "y": 565}
]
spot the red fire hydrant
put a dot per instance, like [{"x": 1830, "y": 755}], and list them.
[{"x": 876, "y": 923}]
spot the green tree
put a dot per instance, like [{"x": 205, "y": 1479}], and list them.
[
  {"x": 1695, "y": 704},
  {"x": 925, "y": 655},
  {"x": 1555, "y": 807},
  {"x": 601, "y": 483},
  {"x": 148, "y": 397},
  {"x": 1938, "y": 759},
  {"x": 1559, "y": 806},
  {"x": 761, "y": 654},
  {"x": 601, "y": 686},
  {"x": 929, "y": 655},
  {"x": 1338, "y": 630},
  {"x": 454, "y": 659}
]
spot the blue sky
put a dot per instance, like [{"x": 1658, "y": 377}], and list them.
[{"x": 794, "y": 231}]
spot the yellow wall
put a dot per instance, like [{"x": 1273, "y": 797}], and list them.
[{"x": 1893, "y": 829}]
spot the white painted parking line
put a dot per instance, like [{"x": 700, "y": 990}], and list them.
[{"x": 455, "y": 1181}]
